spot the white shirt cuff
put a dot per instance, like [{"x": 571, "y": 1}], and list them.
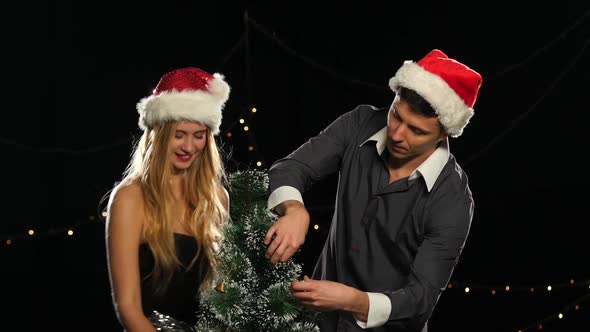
[
  {"x": 379, "y": 310},
  {"x": 282, "y": 194}
]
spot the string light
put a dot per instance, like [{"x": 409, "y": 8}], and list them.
[
  {"x": 247, "y": 128},
  {"x": 516, "y": 288},
  {"x": 468, "y": 288},
  {"x": 9, "y": 239},
  {"x": 540, "y": 324},
  {"x": 239, "y": 120}
]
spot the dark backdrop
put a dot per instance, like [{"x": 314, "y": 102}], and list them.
[{"x": 74, "y": 72}]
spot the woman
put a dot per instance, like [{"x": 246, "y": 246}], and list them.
[{"x": 164, "y": 218}]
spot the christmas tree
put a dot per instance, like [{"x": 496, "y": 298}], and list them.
[{"x": 252, "y": 294}]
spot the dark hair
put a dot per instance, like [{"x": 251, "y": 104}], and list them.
[{"x": 416, "y": 101}]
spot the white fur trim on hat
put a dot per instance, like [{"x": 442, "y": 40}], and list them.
[
  {"x": 194, "y": 105},
  {"x": 452, "y": 111}
]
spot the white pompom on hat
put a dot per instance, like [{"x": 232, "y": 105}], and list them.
[
  {"x": 185, "y": 94},
  {"x": 449, "y": 86}
]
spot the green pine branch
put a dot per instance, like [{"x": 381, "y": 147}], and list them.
[{"x": 255, "y": 294}]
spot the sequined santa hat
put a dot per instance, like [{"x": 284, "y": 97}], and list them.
[
  {"x": 185, "y": 94},
  {"x": 449, "y": 86}
]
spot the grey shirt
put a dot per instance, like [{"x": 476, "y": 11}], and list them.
[{"x": 401, "y": 239}]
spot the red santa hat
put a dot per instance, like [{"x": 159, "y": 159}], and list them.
[
  {"x": 185, "y": 94},
  {"x": 448, "y": 85}
]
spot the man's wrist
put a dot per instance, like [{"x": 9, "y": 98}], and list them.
[
  {"x": 360, "y": 305},
  {"x": 288, "y": 206}
]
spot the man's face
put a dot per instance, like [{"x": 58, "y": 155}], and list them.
[{"x": 411, "y": 135}]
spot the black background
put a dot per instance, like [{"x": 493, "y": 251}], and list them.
[{"x": 74, "y": 71}]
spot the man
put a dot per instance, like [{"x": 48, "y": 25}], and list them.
[{"x": 403, "y": 206}]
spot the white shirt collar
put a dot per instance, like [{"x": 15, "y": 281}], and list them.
[{"x": 430, "y": 169}]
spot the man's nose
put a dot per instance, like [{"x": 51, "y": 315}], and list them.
[{"x": 398, "y": 133}]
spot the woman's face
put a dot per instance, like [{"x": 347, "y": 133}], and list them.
[{"x": 188, "y": 141}]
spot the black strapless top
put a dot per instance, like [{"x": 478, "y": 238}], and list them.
[{"x": 180, "y": 299}]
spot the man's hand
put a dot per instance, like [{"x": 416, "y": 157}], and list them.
[
  {"x": 288, "y": 233},
  {"x": 328, "y": 295}
]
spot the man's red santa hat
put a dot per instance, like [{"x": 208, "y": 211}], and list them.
[{"x": 448, "y": 85}]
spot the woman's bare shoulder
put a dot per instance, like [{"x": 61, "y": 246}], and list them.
[{"x": 126, "y": 194}]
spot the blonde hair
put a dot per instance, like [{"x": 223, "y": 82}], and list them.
[{"x": 151, "y": 167}]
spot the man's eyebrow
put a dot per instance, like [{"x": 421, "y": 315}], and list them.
[{"x": 396, "y": 114}]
